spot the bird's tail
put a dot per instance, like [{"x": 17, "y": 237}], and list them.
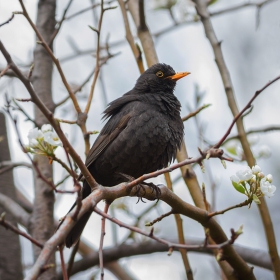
[{"x": 75, "y": 233}]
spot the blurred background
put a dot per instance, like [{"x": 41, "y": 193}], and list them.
[{"x": 250, "y": 43}]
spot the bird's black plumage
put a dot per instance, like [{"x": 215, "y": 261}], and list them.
[{"x": 142, "y": 134}]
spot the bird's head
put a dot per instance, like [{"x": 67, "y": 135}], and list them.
[{"x": 159, "y": 78}]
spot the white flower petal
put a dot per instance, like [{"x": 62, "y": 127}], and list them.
[
  {"x": 245, "y": 175},
  {"x": 264, "y": 151},
  {"x": 52, "y": 138},
  {"x": 269, "y": 178},
  {"x": 34, "y": 133},
  {"x": 256, "y": 169},
  {"x": 266, "y": 188},
  {"x": 33, "y": 143},
  {"x": 234, "y": 178},
  {"x": 46, "y": 127}
]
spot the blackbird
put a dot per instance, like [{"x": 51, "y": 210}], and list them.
[{"x": 142, "y": 134}]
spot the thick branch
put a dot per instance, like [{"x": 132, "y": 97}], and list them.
[
  {"x": 201, "y": 7},
  {"x": 20, "y": 215},
  {"x": 255, "y": 257},
  {"x": 170, "y": 198}
]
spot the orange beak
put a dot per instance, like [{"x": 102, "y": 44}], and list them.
[{"x": 178, "y": 76}]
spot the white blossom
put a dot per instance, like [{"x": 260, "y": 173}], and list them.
[
  {"x": 52, "y": 138},
  {"x": 266, "y": 188},
  {"x": 269, "y": 178},
  {"x": 256, "y": 169},
  {"x": 254, "y": 179},
  {"x": 245, "y": 175},
  {"x": 264, "y": 151},
  {"x": 34, "y": 133},
  {"x": 46, "y": 127},
  {"x": 33, "y": 143},
  {"x": 234, "y": 178},
  {"x": 253, "y": 139}
]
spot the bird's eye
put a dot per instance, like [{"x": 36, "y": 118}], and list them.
[{"x": 160, "y": 74}]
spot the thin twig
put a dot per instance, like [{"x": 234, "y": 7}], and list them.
[
  {"x": 252, "y": 131},
  {"x": 55, "y": 60},
  {"x": 97, "y": 66},
  {"x": 257, "y": 93},
  {"x": 39, "y": 173},
  {"x": 11, "y": 227},
  {"x": 193, "y": 114},
  {"x": 48, "y": 114},
  {"x": 79, "y": 88},
  {"x": 130, "y": 39},
  {"x": 180, "y": 231},
  {"x": 7, "y": 21},
  {"x": 152, "y": 236},
  {"x": 159, "y": 218},
  {"x": 244, "y": 203},
  {"x": 4, "y": 71},
  {"x": 87, "y": 9},
  {"x": 59, "y": 24},
  {"x": 72, "y": 257},
  {"x": 62, "y": 163},
  {"x": 66, "y": 121},
  {"x": 62, "y": 262},
  {"x": 102, "y": 235},
  {"x": 19, "y": 108}
]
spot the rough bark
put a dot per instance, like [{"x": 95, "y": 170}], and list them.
[
  {"x": 42, "y": 225},
  {"x": 10, "y": 252}
]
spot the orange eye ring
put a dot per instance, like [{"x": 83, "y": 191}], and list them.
[{"x": 160, "y": 74}]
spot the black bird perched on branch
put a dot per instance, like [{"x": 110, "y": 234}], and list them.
[{"x": 142, "y": 134}]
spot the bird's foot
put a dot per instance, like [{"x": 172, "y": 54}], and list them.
[
  {"x": 140, "y": 188},
  {"x": 154, "y": 188}
]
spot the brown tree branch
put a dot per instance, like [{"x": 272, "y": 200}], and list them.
[
  {"x": 59, "y": 23},
  {"x": 11, "y": 227},
  {"x": 8, "y": 21},
  {"x": 143, "y": 31},
  {"x": 244, "y": 203},
  {"x": 130, "y": 38},
  {"x": 170, "y": 198},
  {"x": 6, "y": 166},
  {"x": 180, "y": 232},
  {"x": 248, "y": 105},
  {"x": 20, "y": 215},
  {"x": 197, "y": 111},
  {"x": 252, "y": 131},
  {"x": 51, "y": 54},
  {"x": 255, "y": 257},
  {"x": 49, "y": 116},
  {"x": 201, "y": 8}
]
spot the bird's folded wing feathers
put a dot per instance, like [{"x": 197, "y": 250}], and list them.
[{"x": 110, "y": 131}]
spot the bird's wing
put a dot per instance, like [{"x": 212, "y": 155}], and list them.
[
  {"x": 117, "y": 122},
  {"x": 110, "y": 131}
]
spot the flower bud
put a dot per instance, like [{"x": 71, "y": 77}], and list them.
[
  {"x": 269, "y": 178},
  {"x": 256, "y": 169},
  {"x": 260, "y": 175},
  {"x": 254, "y": 179}
]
